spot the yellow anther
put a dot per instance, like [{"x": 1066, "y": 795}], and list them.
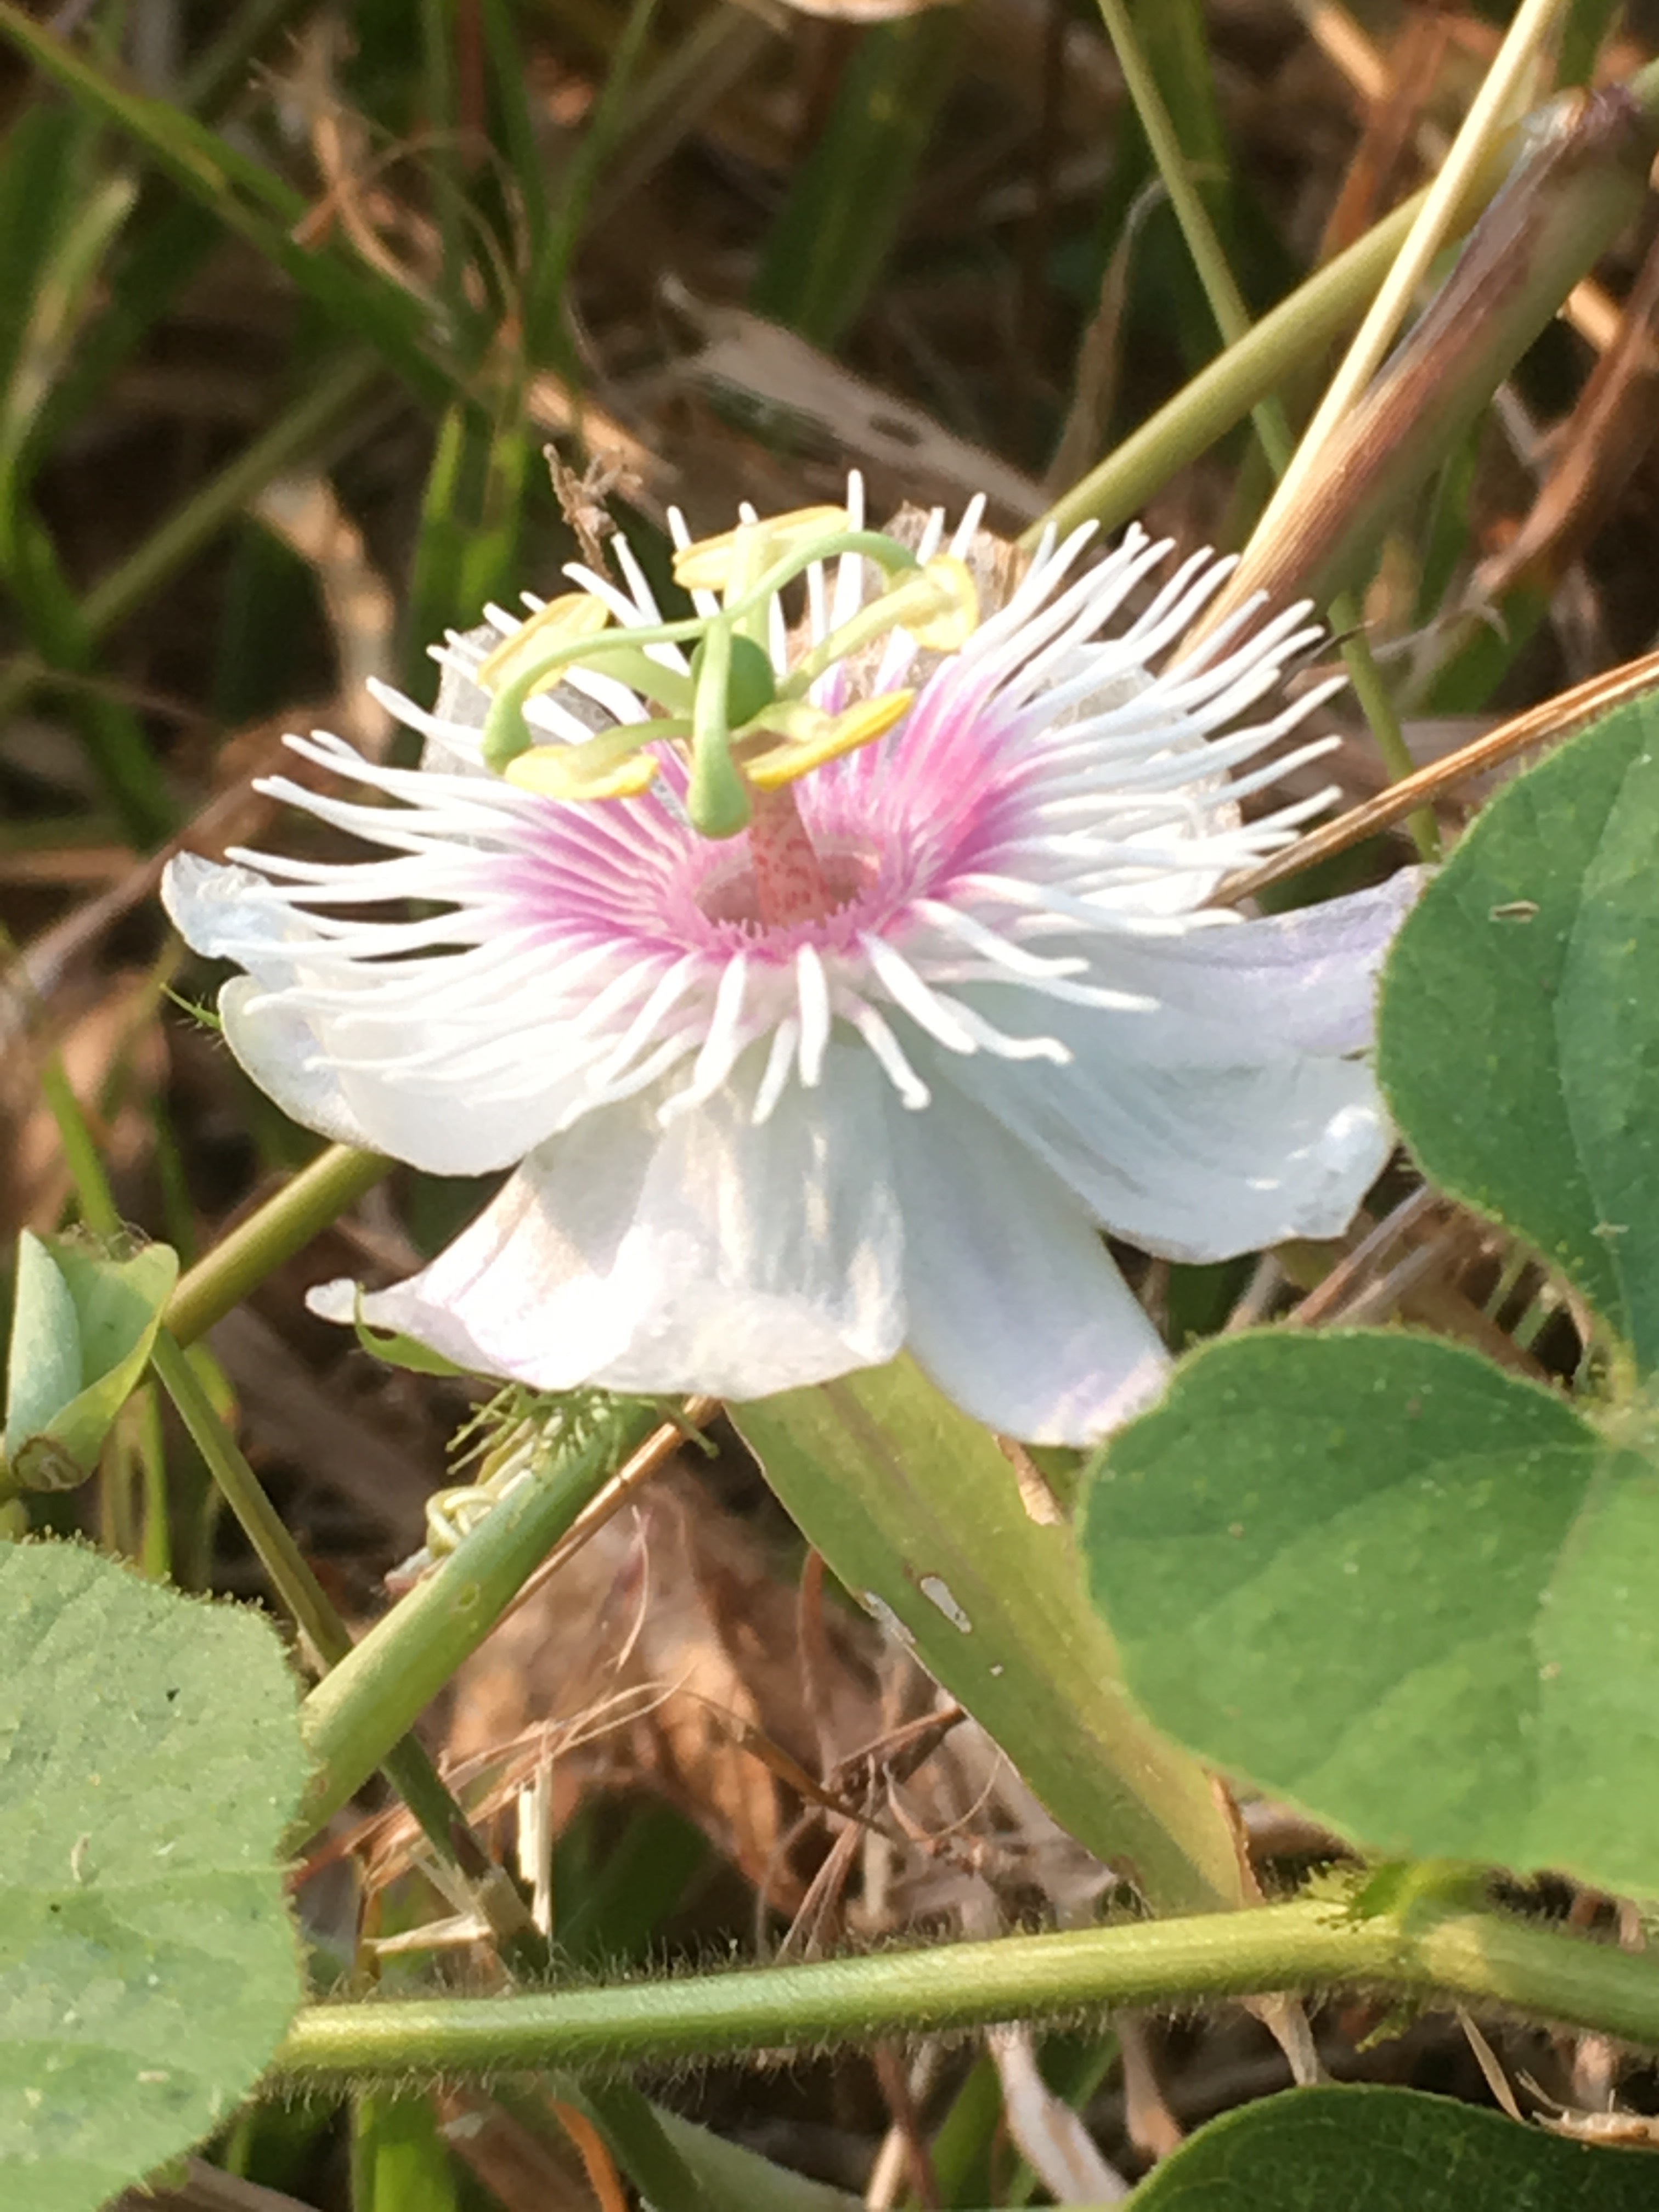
[
  {"x": 946, "y": 604},
  {"x": 810, "y": 742},
  {"x": 709, "y": 565},
  {"x": 564, "y": 621},
  {"x": 556, "y": 772}
]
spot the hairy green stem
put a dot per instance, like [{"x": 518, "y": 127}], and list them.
[
  {"x": 376, "y": 1693},
  {"x": 283, "y": 1225},
  {"x": 1481, "y": 1958}
]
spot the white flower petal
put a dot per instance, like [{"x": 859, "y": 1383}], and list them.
[
  {"x": 1016, "y": 1310},
  {"x": 277, "y": 1048},
  {"x": 760, "y": 1151},
  {"x": 713, "y": 1255},
  {"x": 310, "y": 1062},
  {"x": 1195, "y": 1163},
  {"x": 1302, "y": 982}
]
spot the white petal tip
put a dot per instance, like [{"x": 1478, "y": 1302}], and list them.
[{"x": 335, "y": 1301}]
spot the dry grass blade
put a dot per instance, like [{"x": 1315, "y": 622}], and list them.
[{"x": 1547, "y": 724}]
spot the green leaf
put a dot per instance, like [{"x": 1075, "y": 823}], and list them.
[
  {"x": 735, "y": 2180},
  {"x": 149, "y": 1759},
  {"x": 1518, "y": 1034},
  {"x": 1376, "y": 1576},
  {"x": 919, "y": 1515},
  {"x": 1368, "y": 2149},
  {"x": 83, "y": 1326}
]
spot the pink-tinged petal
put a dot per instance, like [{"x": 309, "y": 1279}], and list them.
[
  {"x": 710, "y": 1255},
  {"x": 1016, "y": 1309}
]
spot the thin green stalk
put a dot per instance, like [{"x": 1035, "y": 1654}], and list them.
[
  {"x": 1481, "y": 1958},
  {"x": 1347, "y": 619},
  {"x": 155, "y": 1554},
  {"x": 280, "y": 1556},
  {"x": 1226, "y": 301},
  {"x": 373, "y": 1695},
  {"x": 407, "y": 1764},
  {"x": 81, "y": 1154},
  {"x": 283, "y": 1225}
]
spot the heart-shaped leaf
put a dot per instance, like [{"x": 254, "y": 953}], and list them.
[
  {"x": 149, "y": 1760},
  {"x": 1366, "y": 2149},
  {"x": 1376, "y": 1576},
  {"x": 1518, "y": 1031}
]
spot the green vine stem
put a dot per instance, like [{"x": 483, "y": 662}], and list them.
[
  {"x": 1294, "y": 332},
  {"x": 1209, "y": 405},
  {"x": 1425, "y": 1951},
  {"x": 376, "y": 1693},
  {"x": 283, "y": 1225}
]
